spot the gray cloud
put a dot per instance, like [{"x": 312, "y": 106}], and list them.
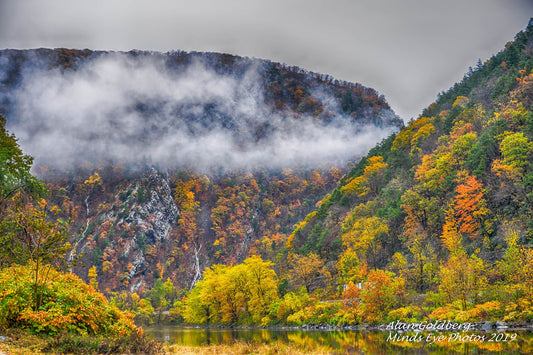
[
  {"x": 121, "y": 108},
  {"x": 408, "y": 50}
]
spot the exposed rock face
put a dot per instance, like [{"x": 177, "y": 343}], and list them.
[
  {"x": 136, "y": 225},
  {"x": 154, "y": 216}
]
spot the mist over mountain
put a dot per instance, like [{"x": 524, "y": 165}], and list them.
[
  {"x": 182, "y": 159},
  {"x": 201, "y": 110}
]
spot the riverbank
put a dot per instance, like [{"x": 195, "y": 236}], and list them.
[
  {"x": 306, "y": 339},
  {"x": 245, "y": 349},
  {"x": 18, "y": 341},
  {"x": 37, "y": 346}
]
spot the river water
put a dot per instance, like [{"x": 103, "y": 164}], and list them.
[{"x": 368, "y": 342}]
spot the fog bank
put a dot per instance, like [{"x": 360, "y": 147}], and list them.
[{"x": 119, "y": 108}]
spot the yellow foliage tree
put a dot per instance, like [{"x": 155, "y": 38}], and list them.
[
  {"x": 451, "y": 237},
  {"x": 305, "y": 270},
  {"x": 93, "y": 180},
  {"x": 461, "y": 101},
  {"x": 370, "y": 180},
  {"x": 463, "y": 278},
  {"x": 233, "y": 294},
  {"x": 92, "y": 277},
  {"x": 364, "y": 237}
]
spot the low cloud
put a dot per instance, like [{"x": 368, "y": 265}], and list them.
[{"x": 120, "y": 108}]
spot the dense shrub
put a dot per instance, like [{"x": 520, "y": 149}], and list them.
[{"x": 68, "y": 305}]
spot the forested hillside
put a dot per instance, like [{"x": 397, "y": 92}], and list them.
[
  {"x": 435, "y": 222},
  {"x": 165, "y": 164},
  {"x": 42, "y": 304},
  {"x": 462, "y": 167}
]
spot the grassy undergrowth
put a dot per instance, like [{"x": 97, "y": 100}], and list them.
[
  {"x": 21, "y": 342},
  {"x": 242, "y": 348}
]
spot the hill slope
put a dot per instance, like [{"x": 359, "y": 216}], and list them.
[
  {"x": 434, "y": 224},
  {"x": 457, "y": 178},
  {"x": 168, "y": 163}
]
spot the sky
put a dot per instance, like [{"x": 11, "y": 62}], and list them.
[{"x": 408, "y": 50}]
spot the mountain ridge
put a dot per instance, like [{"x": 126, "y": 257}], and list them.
[
  {"x": 221, "y": 132},
  {"x": 203, "y": 104}
]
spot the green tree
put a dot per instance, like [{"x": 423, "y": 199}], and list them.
[
  {"x": 158, "y": 299},
  {"x": 347, "y": 102},
  {"x": 29, "y": 237},
  {"x": 516, "y": 149},
  {"x": 15, "y": 168},
  {"x": 162, "y": 296},
  {"x": 27, "y": 233}
]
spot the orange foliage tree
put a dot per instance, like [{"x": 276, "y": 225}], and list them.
[
  {"x": 471, "y": 207},
  {"x": 381, "y": 292}
]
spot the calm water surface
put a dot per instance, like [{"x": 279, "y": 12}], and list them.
[{"x": 368, "y": 342}]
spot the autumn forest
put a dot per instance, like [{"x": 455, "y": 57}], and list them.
[{"x": 434, "y": 222}]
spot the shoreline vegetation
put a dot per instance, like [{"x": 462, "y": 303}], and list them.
[{"x": 168, "y": 349}]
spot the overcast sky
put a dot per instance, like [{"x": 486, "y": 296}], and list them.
[{"x": 408, "y": 50}]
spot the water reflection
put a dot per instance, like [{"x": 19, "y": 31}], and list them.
[
  {"x": 370, "y": 342},
  {"x": 211, "y": 336}
]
